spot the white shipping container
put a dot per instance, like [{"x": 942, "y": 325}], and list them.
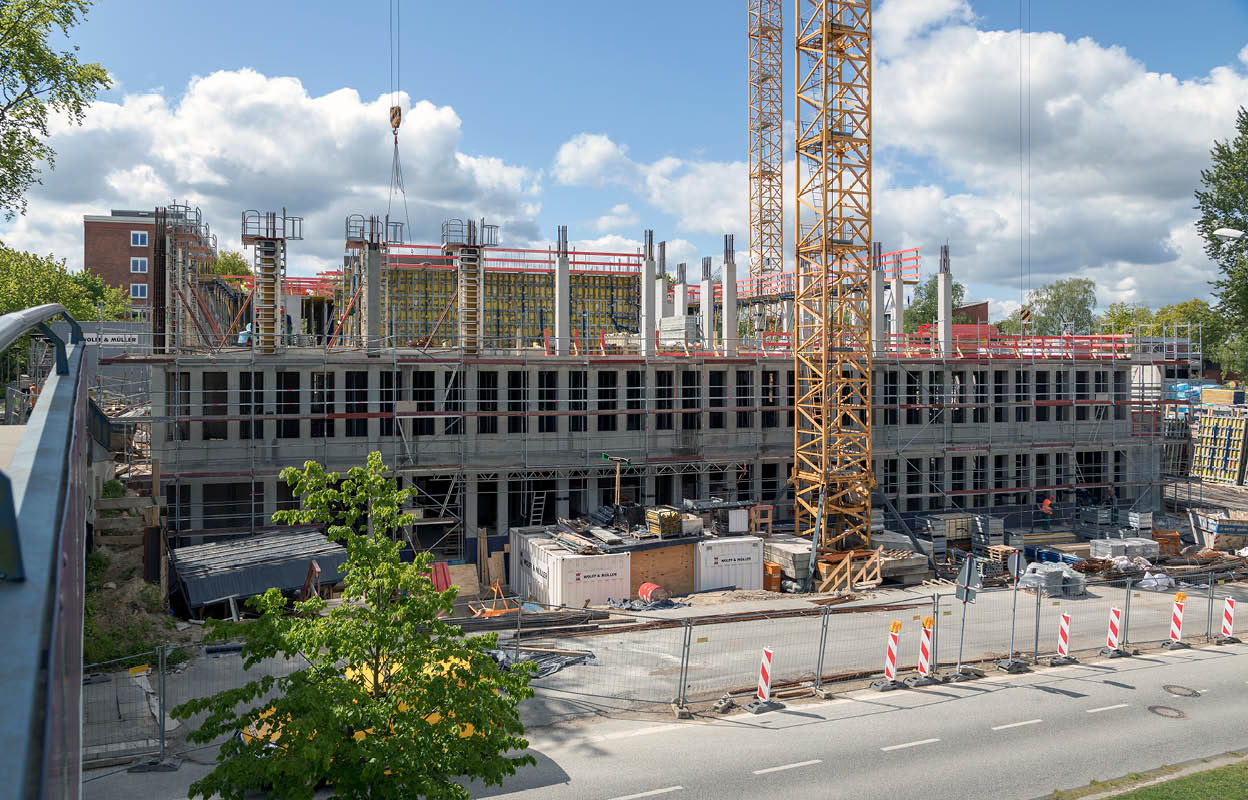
[
  {"x": 738, "y": 520},
  {"x": 576, "y": 581},
  {"x": 728, "y": 561}
]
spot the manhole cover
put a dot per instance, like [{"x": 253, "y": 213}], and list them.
[
  {"x": 1167, "y": 712},
  {"x": 1180, "y": 691}
]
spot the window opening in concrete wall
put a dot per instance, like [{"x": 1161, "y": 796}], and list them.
[
  {"x": 578, "y": 400},
  {"x": 216, "y": 404},
  {"x": 251, "y": 404},
  {"x": 745, "y": 398},
  {"x": 770, "y": 397},
  {"x": 635, "y": 399},
  {"x": 517, "y": 400},
  {"x": 487, "y": 402},
  {"x": 452, "y": 382},
  {"x": 548, "y": 401},
  {"x": 288, "y": 404},
  {"x": 717, "y": 396},
  {"x": 691, "y": 399},
  {"x": 178, "y": 402},
  {"x": 664, "y": 397},
  {"x": 608, "y": 393},
  {"x": 323, "y": 405}
]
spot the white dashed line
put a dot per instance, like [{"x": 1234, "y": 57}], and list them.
[
  {"x": 650, "y": 793},
  {"x": 788, "y": 766},
  {"x": 909, "y": 744},
  {"x": 1017, "y": 724},
  {"x": 1106, "y": 708}
]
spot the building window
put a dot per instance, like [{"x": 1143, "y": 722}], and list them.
[
  {"x": 357, "y": 403},
  {"x": 487, "y": 402},
  {"x": 717, "y": 396},
  {"x": 608, "y": 399},
  {"x": 138, "y": 239},
  {"x": 391, "y": 392},
  {"x": 454, "y": 403},
  {"x": 690, "y": 399},
  {"x": 251, "y": 404},
  {"x": 323, "y": 427},
  {"x": 578, "y": 397},
  {"x": 423, "y": 397},
  {"x": 663, "y": 399},
  {"x": 635, "y": 398},
  {"x": 215, "y": 400},
  {"x": 745, "y": 398},
  {"x": 138, "y": 291},
  {"x": 288, "y": 405},
  {"x": 138, "y": 265},
  {"x": 548, "y": 401}
]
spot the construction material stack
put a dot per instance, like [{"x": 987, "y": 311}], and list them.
[{"x": 663, "y": 522}]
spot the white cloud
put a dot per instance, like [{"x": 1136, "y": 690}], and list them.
[
  {"x": 241, "y": 140},
  {"x": 1001, "y": 309},
  {"x": 621, "y": 215},
  {"x": 592, "y": 159}
]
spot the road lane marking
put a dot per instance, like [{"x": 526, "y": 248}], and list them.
[
  {"x": 908, "y": 744},
  {"x": 1017, "y": 724},
  {"x": 650, "y": 793},
  {"x": 788, "y": 766},
  {"x": 1106, "y": 708}
]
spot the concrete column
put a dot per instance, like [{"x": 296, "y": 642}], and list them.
[
  {"x": 899, "y": 306},
  {"x": 662, "y": 304},
  {"x": 469, "y": 510},
  {"x": 370, "y": 307},
  {"x": 729, "y": 315},
  {"x": 563, "y": 499},
  {"x": 648, "y": 297},
  {"x": 944, "y": 313},
  {"x": 786, "y": 316},
  {"x": 877, "y": 311},
  {"x": 563, "y": 296},
  {"x": 707, "y": 303},
  {"x": 682, "y": 291},
  {"x": 647, "y": 488},
  {"x": 503, "y": 522}
]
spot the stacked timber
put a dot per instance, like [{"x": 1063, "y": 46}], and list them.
[
  {"x": 663, "y": 521},
  {"x": 955, "y": 529}
]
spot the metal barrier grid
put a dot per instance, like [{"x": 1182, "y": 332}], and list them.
[{"x": 119, "y": 708}]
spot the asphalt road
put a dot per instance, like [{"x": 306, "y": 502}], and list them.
[
  {"x": 1018, "y": 736},
  {"x": 1009, "y": 737}
]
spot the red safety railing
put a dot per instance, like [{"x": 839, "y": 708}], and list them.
[{"x": 992, "y": 345}]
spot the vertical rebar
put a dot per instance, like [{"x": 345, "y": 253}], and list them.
[{"x": 823, "y": 643}]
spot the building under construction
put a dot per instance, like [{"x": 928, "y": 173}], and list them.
[{"x": 495, "y": 381}]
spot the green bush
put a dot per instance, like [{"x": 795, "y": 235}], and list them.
[
  {"x": 112, "y": 490},
  {"x": 97, "y": 563},
  {"x": 149, "y": 596}
]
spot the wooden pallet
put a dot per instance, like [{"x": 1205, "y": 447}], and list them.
[{"x": 1001, "y": 553}]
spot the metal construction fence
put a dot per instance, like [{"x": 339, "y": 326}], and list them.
[{"x": 656, "y": 659}]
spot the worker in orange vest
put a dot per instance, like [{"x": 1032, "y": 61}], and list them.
[{"x": 1046, "y": 508}]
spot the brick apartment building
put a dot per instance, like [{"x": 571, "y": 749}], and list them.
[{"x": 119, "y": 249}]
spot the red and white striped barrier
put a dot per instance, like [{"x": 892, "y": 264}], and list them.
[
  {"x": 1176, "y": 618},
  {"x": 1228, "y": 618},
  {"x": 1112, "y": 638},
  {"x": 1063, "y": 644},
  {"x": 764, "y": 677},
  {"x": 890, "y": 660},
  {"x": 925, "y": 648}
]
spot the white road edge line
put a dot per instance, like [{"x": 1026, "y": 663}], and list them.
[
  {"x": 908, "y": 744},
  {"x": 1106, "y": 708},
  {"x": 789, "y": 766},
  {"x": 650, "y": 793},
  {"x": 1017, "y": 724}
]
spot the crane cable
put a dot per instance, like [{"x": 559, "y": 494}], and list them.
[{"x": 396, "y": 115}]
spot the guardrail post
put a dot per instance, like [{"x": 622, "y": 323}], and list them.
[
  {"x": 1209, "y": 624},
  {"x": 823, "y": 646},
  {"x": 1126, "y": 616},
  {"x": 935, "y": 632}
]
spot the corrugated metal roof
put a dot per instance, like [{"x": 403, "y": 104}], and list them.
[{"x": 245, "y": 567}]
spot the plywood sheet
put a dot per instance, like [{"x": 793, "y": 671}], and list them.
[
  {"x": 465, "y": 577},
  {"x": 669, "y": 567}
]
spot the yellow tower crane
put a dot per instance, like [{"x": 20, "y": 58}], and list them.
[
  {"x": 833, "y": 473},
  {"x": 766, "y": 96}
]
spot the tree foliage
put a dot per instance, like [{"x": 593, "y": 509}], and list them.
[
  {"x": 925, "y": 306},
  {"x": 1062, "y": 306},
  {"x": 432, "y": 702},
  {"x": 229, "y": 263},
  {"x": 1223, "y": 203},
  {"x": 36, "y": 81},
  {"x": 29, "y": 280}
]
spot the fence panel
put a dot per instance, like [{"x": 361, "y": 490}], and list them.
[
  {"x": 725, "y": 654},
  {"x": 120, "y": 709}
]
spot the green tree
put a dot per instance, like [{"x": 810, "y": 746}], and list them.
[
  {"x": 1213, "y": 326},
  {"x": 29, "y": 280},
  {"x": 229, "y": 263},
  {"x": 36, "y": 80},
  {"x": 925, "y": 306},
  {"x": 432, "y": 702},
  {"x": 1064, "y": 305},
  {"x": 1123, "y": 317},
  {"x": 1011, "y": 325},
  {"x": 1223, "y": 203},
  {"x": 106, "y": 301}
]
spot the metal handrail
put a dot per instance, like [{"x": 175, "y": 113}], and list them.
[{"x": 16, "y": 324}]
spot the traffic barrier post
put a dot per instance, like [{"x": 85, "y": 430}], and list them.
[
  {"x": 1063, "y": 644},
  {"x": 818, "y": 689},
  {"x": 1113, "y": 638},
  {"x": 890, "y": 661},
  {"x": 762, "y": 701},
  {"x": 927, "y": 676},
  {"x": 1228, "y": 623},
  {"x": 1175, "y": 642}
]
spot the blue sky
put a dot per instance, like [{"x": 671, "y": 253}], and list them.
[{"x": 667, "y": 80}]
